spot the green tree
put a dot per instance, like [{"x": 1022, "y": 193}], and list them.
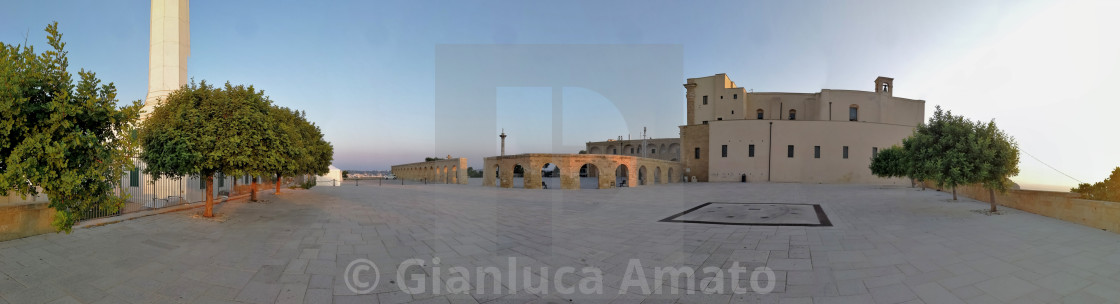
[
  {"x": 940, "y": 149},
  {"x": 890, "y": 162},
  {"x": 956, "y": 143},
  {"x": 69, "y": 141},
  {"x": 472, "y": 173},
  {"x": 1106, "y": 190},
  {"x": 301, "y": 147},
  {"x": 345, "y": 174},
  {"x": 997, "y": 157},
  {"x": 922, "y": 155},
  {"x": 202, "y": 130}
]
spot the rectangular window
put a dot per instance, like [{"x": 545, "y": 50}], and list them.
[
  {"x": 705, "y": 122},
  {"x": 853, "y": 114},
  {"x": 697, "y": 152},
  {"x": 789, "y": 151},
  {"x": 724, "y": 150},
  {"x": 652, "y": 151},
  {"x": 719, "y": 118},
  {"x": 134, "y": 177},
  {"x": 631, "y": 150},
  {"x": 874, "y": 151},
  {"x": 845, "y": 152},
  {"x": 760, "y": 114},
  {"x": 615, "y": 151},
  {"x": 705, "y": 99},
  {"x": 816, "y": 151},
  {"x": 750, "y": 151}
]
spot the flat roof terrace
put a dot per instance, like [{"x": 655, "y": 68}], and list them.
[{"x": 884, "y": 245}]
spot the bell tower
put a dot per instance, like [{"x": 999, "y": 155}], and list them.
[
  {"x": 168, "y": 49},
  {"x": 884, "y": 85}
]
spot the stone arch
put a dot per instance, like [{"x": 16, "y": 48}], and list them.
[
  {"x": 551, "y": 179},
  {"x": 451, "y": 176},
  {"x": 589, "y": 172},
  {"x": 669, "y": 179},
  {"x": 643, "y": 176},
  {"x": 594, "y": 150},
  {"x": 622, "y": 176},
  {"x": 525, "y": 178},
  {"x": 628, "y": 150},
  {"x": 657, "y": 176}
]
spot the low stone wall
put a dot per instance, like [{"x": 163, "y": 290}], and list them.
[
  {"x": 1066, "y": 206},
  {"x": 21, "y": 217},
  {"x": 443, "y": 171}
]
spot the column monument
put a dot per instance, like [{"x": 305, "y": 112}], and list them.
[{"x": 168, "y": 49}]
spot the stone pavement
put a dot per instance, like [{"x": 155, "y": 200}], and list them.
[{"x": 886, "y": 245}]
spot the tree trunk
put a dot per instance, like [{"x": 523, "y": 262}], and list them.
[
  {"x": 209, "y": 197},
  {"x": 923, "y": 183},
  {"x": 954, "y": 193},
  {"x": 253, "y": 190},
  {"x": 278, "y": 178},
  {"x": 992, "y": 195},
  {"x": 912, "y": 183}
]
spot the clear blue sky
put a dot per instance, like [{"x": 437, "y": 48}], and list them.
[{"x": 364, "y": 70}]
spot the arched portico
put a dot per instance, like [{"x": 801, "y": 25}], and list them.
[
  {"x": 604, "y": 170},
  {"x": 450, "y": 171}
]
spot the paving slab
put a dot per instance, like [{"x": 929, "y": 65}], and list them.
[{"x": 884, "y": 245}]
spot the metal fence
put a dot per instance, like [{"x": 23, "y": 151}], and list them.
[{"x": 144, "y": 192}]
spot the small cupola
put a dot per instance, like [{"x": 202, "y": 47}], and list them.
[{"x": 884, "y": 85}]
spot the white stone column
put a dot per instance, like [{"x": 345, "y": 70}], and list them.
[{"x": 168, "y": 49}]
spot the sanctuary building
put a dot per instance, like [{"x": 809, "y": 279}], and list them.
[
  {"x": 732, "y": 135},
  {"x": 824, "y": 137}
]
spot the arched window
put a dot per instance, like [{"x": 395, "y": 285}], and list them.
[
  {"x": 853, "y": 113},
  {"x": 759, "y": 114},
  {"x": 792, "y": 114}
]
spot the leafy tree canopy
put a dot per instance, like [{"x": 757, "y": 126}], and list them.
[
  {"x": 202, "y": 130},
  {"x": 954, "y": 151},
  {"x": 69, "y": 141},
  {"x": 890, "y": 162},
  {"x": 300, "y": 147},
  {"x": 1106, "y": 190}
]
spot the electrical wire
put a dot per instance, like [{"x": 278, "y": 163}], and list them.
[{"x": 1051, "y": 167}]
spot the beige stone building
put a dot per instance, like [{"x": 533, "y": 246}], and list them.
[
  {"x": 657, "y": 148},
  {"x": 824, "y": 137}
]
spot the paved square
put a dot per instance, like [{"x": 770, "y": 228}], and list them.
[
  {"x": 886, "y": 245},
  {"x": 753, "y": 214}
]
